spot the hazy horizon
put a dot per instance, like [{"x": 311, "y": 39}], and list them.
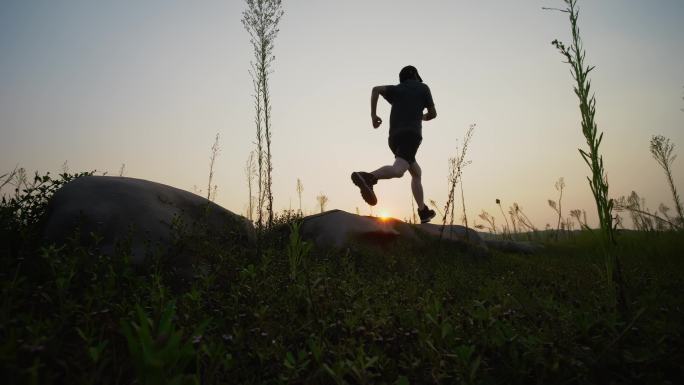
[{"x": 149, "y": 86}]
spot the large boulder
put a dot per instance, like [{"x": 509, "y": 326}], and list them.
[
  {"x": 146, "y": 215},
  {"x": 336, "y": 228}
]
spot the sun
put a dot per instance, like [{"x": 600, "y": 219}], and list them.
[{"x": 384, "y": 216}]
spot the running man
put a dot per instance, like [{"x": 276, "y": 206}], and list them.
[{"x": 408, "y": 99}]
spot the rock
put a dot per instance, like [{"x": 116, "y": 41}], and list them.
[
  {"x": 336, "y": 228},
  {"x": 147, "y": 214},
  {"x": 452, "y": 233}
]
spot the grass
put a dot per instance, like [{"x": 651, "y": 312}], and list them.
[{"x": 399, "y": 313}]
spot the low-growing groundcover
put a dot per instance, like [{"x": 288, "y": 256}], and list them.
[{"x": 398, "y": 314}]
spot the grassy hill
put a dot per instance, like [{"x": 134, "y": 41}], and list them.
[{"x": 398, "y": 314}]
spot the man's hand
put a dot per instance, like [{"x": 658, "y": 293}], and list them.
[
  {"x": 431, "y": 114},
  {"x": 376, "y": 121}
]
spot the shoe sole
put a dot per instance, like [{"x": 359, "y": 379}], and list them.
[
  {"x": 426, "y": 220},
  {"x": 366, "y": 191}
]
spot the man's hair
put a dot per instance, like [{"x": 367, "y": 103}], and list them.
[{"x": 408, "y": 73}]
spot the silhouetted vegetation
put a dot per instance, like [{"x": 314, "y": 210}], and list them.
[
  {"x": 405, "y": 313},
  {"x": 490, "y": 220},
  {"x": 211, "y": 190},
  {"x": 300, "y": 190},
  {"x": 322, "y": 200},
  {"x": 456, "y": 166},
  {"x": 250, "y": 171},
  {"x": 261, "y": 19},
  {"x": 557, "y": 206},
  {"x": 661, "y": 149},
  {"x": 643, "y": 219},
  {"x": 506, "y": 229}
]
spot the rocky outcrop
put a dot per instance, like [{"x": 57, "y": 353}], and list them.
[
  {"x": 148, "y": 218},
  {"x": 336, "y": 228},
  {"x": 138, "y": 213}
]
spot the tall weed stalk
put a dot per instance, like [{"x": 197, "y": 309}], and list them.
[
  {"x": 300, "y": 190},
  {"x": 557, "y": 206},
  {"x": 506, "y": 229},
  {"x": 456, "y": 166},
  {"x": 575, "y": 56},
  {"x": 261, "y": 19},
  {"x": 250, "y": 172},
  {"x": 211, "y": 191}
]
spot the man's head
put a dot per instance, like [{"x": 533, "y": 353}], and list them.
[{"x": 409, "y": 73}]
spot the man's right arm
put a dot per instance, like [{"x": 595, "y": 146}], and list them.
[{"x": 375, "y": 93}]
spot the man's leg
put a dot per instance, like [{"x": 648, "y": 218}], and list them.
[
  {"x": 424, "y": 212},
  {"x": 396, "y": 170},
  {"x": 366, "y": 180},
  {"x": 416, "y": 184}
]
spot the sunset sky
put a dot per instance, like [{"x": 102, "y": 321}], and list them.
[{"x": 148, "y": 84}]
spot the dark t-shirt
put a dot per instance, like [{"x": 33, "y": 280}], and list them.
[{"x": 408, "y": 99}]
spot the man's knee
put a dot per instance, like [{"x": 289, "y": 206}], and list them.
[
  {"x": 400, "y": 167},
  {"x": 415, "y": 171},
  {"x": 399, "y": 171}
]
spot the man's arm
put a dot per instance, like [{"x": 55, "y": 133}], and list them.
[
  {"x": 431, "y": 113},
  {"x": 430, "y": 105},
  {"x": 377, "y": 91}
]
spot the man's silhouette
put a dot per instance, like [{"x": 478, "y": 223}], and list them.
[{"x": 408, "y": 99}]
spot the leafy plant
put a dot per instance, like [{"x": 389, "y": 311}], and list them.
[
  {"x": 159, "y": 352},
  {"x": 31, "y": 198},
  {"x": 575, "y": 56},
  {"x": 21, "y": 214},
  {"x": 297, "y": 250}
]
